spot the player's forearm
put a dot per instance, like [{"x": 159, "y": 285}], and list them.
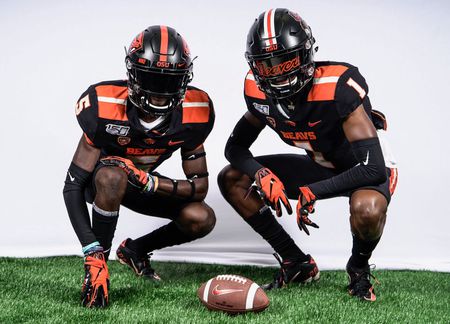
[
  {"x": 76, "y": 205},
  {"x": 237, "y": 149},
  {"x": 370, "y": 170},
  {"x": 192, "y": 190}
]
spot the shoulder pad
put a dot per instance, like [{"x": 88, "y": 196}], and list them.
[
  {"x": 251, "y": 89},
  {"x": 112, "y": 101},
  {"x": 196, "y": 107},
  {"x": 324, "y": 82}
]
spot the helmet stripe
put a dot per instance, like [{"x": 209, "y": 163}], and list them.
[
  {"x": 269, "y": 27},
  {"x": 164, "y": 44}
]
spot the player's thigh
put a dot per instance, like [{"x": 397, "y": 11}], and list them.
[
  {"x": 140, "y": 202},
  {"x": 386, "y": 188},
  {"x": 295, "y": 170},
  {"x": 152, "y": 204}
]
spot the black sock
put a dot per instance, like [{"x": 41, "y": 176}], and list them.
[
  {"x": 164, "y": 236},
  {"x": 265, "y": 224},
  {"x": 104, "y": 225},
  {"x": 362, "y": 251}
]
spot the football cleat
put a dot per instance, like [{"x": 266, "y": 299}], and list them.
[
  {"x": 359, "y": 283},
  {"x": 94, "y": 291},
  {"x": 294, "y": 271},
  {"x": 139, "y": 264}
]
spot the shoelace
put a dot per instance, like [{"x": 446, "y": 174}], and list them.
[
  {"x": 362, "y": 280},
  {"x": 281, "y": 277}
]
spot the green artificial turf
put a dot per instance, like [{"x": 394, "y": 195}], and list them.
[{"x": 47, "y": 290}]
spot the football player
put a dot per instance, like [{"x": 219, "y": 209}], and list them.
[
  {"x": 323, "y": 108},
  {"x": 129, "y": 128}
]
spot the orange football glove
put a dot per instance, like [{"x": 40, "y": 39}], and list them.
[
  {"x": 136, "y": 177},
  {"x": 305, "y": 206},
  {"x": 272, "y": 190}
]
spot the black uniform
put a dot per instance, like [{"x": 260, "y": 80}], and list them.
[
  {"x": 110, "y": 123},
  {"x": 316, "y": 126}
]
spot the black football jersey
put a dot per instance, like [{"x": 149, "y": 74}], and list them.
[
  {"x": 315, "y": 125},
  {"x": 110, "y": 122}
]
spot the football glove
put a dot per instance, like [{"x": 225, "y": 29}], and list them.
[
  {"x": 136, "y": 177},
  {"x": 94, "y": 292},
  {"x": 305, "y": 206},
  {"x": 271, "y": 189}
]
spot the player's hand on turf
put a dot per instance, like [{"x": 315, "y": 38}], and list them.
[
  {"x": 305, "y": 206},
  {"x": 136, "y": 177},
  {"x": 272, "y": 190}
]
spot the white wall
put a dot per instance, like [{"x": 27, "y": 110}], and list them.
[{"x": 50, "y": 51}]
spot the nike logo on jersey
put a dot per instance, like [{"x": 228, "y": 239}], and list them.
[
  {"x": 217, "y": 292},
  {"x": 70, "y": 176},
  {"x": 314, "y": 123},
  {"x": 367, "y": 159},
  {"x": 171, "y": 143}
]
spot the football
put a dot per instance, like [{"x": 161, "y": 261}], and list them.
[{"x": 232, "y": 294}]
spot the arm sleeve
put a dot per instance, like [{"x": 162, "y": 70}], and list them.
[
  {"x": 73, "y": 192},
  {"x": 370, "y": 170},
  {"x": 237, "y": 148}
]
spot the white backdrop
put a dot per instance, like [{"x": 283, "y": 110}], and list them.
[{"x": 50, "y": 51}]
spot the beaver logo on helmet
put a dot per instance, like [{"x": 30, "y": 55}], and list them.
[{"x": 136, "y": 44}]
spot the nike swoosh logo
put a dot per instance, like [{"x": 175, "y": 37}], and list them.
[
  {"x": 217, "y": 292},
  {"x": 314, "y": 123},
  {"x": 70, "y": 176},
  {"x": 367, "y": 159},
  {"x": 171, "y": 143}
]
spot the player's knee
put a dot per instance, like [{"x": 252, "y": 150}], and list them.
[
  {"x": 111, "y": 181},
  {"x": 198, "y": 221},
  {"x": 368, "y": 218},
  {"x": 228, "y": 178}
]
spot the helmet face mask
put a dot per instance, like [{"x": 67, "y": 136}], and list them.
[
  {"x": 156, "y": 73},
  {"x": 284, "y": 63}
]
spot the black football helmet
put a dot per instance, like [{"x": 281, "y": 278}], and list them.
[
  {"x": 280, "y": 52},
  {"x": 159, "y": 64}
]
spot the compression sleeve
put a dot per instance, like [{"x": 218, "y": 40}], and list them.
[
  {"x": 370, "y": 170},
  {"x": 73, "y": 192},
  {"x": 237, "y": 148}
]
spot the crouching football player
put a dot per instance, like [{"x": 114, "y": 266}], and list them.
[
  {"x": 129, "y": 128},
  {"x": 323, "y": 108}
]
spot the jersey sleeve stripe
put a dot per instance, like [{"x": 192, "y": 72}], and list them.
[
  {"x": 88, "y": 140},
  {"x": 112, "y": 100}
]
